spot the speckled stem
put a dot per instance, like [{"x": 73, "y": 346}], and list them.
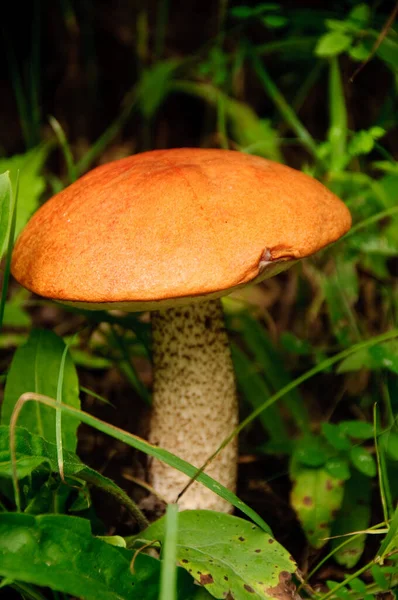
[{"x": 194, "y": 401}]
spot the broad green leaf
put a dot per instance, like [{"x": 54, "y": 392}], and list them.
[
  {"x": 230, "y": 557},
  {"x": 60, "y": 552},
  {"x": 354, "y": 516},
  {"x": 332, "y": 44},
  {"x": 316, "y": 497},
  {"x": 31, "y": 451},
  {"x": 35, "y": 368},
  {"x": 5, "y": 208},
  {"x": 363, "y": 461},
  {"x": 31, "y": 183}
]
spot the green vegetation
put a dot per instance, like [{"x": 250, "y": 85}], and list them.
[{"x": 315, "y": 349}]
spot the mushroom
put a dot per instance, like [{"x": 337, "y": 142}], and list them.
[{"x": 171, "y": 231}]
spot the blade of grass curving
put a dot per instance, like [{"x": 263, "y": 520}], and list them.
[
  {"x": 95, "y": 395},
  {"x": 385, "y": 492},
  {"x": 338, "y": 118},
  {"x": 324, "y": 365},
  {"x": 5, "y": 207},
  {"x": 370, "y": 221},
  {"x": 390, "y": 541},
  {"x": 339, "y": 547},
  {"x": 168, "y": 573},
  {"x": 342, "y": 584},
  {"x": 133, "y": 441},
  {"x": 58, "y": 415},
  {"x": 64, "y": 145},
  {"x": 7, "y": 268},
  {"x": 283, "y": 107}
]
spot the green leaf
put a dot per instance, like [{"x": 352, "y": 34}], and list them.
[
  {"x": 354, "y": 516},
  {"x": 35, "y": 368},
  {"x": 230, "y": 557},
  {"x": 363, "y": 461},
  {"x": 360, "y": 15},
  {"x": 385, "y": 358},
  {"x": 379, "y": 577},
  {"x": 316, "y": 497},
  {"x": 360, "y": 430},
  {"x": 31, "y": 183},
  {"x": 31, "y": 451},
  {"x": 295, "y": 345},
  {"x": 274, "y": 21},
  {"x": 332, "y": 44},
  {"x": 60, "y": 552},
  {"x": 338, "y": 467},
  {"x": 154, "y": 86},
  {"x": 336, "y": 436},
  {"x": 361, "y": 143},
  {"x": 5, "y": 208},
  {"x": 311, "y": 452}
]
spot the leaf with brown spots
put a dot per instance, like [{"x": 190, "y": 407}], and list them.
[
  {"x": 316, "y": 497},
  {"x": 230, "y": 557}
]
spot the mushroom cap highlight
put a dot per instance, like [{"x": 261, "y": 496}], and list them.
[{"x": 179, "y": 224}]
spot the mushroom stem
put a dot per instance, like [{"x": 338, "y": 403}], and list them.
[{"x": 194, "y": 401}]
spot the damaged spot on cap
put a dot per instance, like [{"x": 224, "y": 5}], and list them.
[{"x": 265, "y": 259}]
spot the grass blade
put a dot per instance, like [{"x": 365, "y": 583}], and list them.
[
  {"x": 168, "y": 574},
  {"x": 283, "y": 107},
  {"x": 63, "y": 142},
  {"x": 338, "y": 118},
  {"x": 7, "y": 268}
]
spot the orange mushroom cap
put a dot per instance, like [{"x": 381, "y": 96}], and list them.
[{"x": 171, "y": 224}]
